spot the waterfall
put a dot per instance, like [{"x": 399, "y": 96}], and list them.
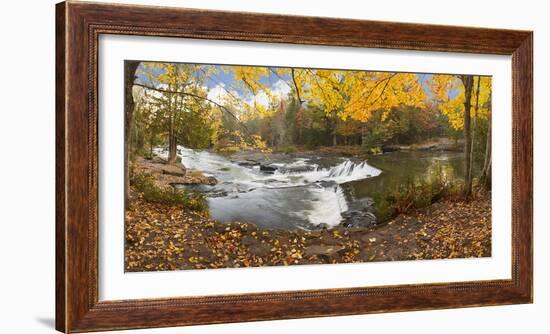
[
  {"x": 344, "y": 172},
  {"x": 299, "y": 192}
]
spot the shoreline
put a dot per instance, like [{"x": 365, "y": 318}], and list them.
[{"x": 166, "y": 237}]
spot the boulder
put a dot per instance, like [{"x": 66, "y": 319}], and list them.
[
  {"x": 359, "y": 214},
  {"x": 210, "y": 180},
  {"x": 172, "y": 169},
  {"x": 268, "y": 168}
]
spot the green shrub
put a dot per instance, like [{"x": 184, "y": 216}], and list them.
[
  {"x": 415, "y": 194},
  {"x": 383, "y": 208},
  {"x": 145, "y": 185}
]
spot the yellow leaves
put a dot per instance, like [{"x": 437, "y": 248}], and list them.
[
  {"x": 448, "y": 90},
  {"x": 358, "y": 94},
  {"x": 249, "y": 77}
]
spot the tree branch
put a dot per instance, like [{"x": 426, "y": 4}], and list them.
[
  {"x": 296, "y": 86},
  {"x": 195, "y": 96}
]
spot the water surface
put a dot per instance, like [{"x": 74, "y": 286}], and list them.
[{"x": 304, "y": 192}]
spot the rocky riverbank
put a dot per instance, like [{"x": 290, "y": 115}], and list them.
[
  {"x": 167, "y": 175},
  {"x": 167, "y": 237}
]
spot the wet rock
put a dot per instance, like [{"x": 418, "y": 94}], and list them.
[
  {"x": 322, "y": 226},
  {"x": 268, "y": 168},
  {"x": 359, "y": 214},
  {"x": 327, "y": 184},
  {"x": 297, "y": 169},
  {"x": 248, "y": 163},
  {"x": 210, "y": 180}
]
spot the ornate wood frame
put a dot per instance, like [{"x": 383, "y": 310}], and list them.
[{"x": 78, "y": 25}]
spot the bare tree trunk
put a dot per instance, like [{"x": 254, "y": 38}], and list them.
[
  {"x": 485, "y": 178},
  {"x": 335, "y": 126},
  {"x": 296, "y": 86},
  {"x": 467, "y": 80},
  {"x": 151, "y": 143},
  {"x": 474, "y": 129},
  {"x": 129, "y": 105},
  {"x": 172, "y": 143}
]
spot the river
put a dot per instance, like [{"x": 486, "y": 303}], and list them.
[{"x": 303, "y": 191}]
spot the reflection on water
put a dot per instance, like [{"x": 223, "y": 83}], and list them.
[{"x": 403, "y": 167}]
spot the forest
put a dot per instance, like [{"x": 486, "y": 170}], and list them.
[{"x": 279, "y": 113}]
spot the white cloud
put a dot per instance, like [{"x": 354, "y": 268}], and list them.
[
  {"x": 280, "y": 88},
  {"x": 262, "y": 99},
  {"x": 218, "y": 93}
]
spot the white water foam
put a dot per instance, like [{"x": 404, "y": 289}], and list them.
[{"x": 325, "y": 204}]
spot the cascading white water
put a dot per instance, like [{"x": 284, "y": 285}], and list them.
[
  {"x": 327, "y": 206},
  {"x": 292, "y": 192},
  {"x": 344, "y": 172}
]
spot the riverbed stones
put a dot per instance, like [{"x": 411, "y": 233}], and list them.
[{"x": 167, "y": 175}]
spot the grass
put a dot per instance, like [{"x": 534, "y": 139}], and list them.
[{"x": 145, "y": 185}]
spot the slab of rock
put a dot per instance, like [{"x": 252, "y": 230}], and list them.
[
  {"x": 326, "y": 250},
  {"x": 260, "y": 249},
  {"x": 172, "y": 169}
]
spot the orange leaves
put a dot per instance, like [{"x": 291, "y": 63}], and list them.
[{"x": 165, "y": 237}]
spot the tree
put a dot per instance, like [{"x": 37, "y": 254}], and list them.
[
  {"x": 129, "y": 105},
  {"x": 467, "y": 81},
  {"x": 454, "y": 94}
]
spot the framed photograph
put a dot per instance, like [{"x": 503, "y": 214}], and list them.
[{"x": 222, "y": 167}]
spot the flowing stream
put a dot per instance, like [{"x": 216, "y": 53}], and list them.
[
  {"x": 292, "y": 192},
  {"x": 296, "y": 192}
]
